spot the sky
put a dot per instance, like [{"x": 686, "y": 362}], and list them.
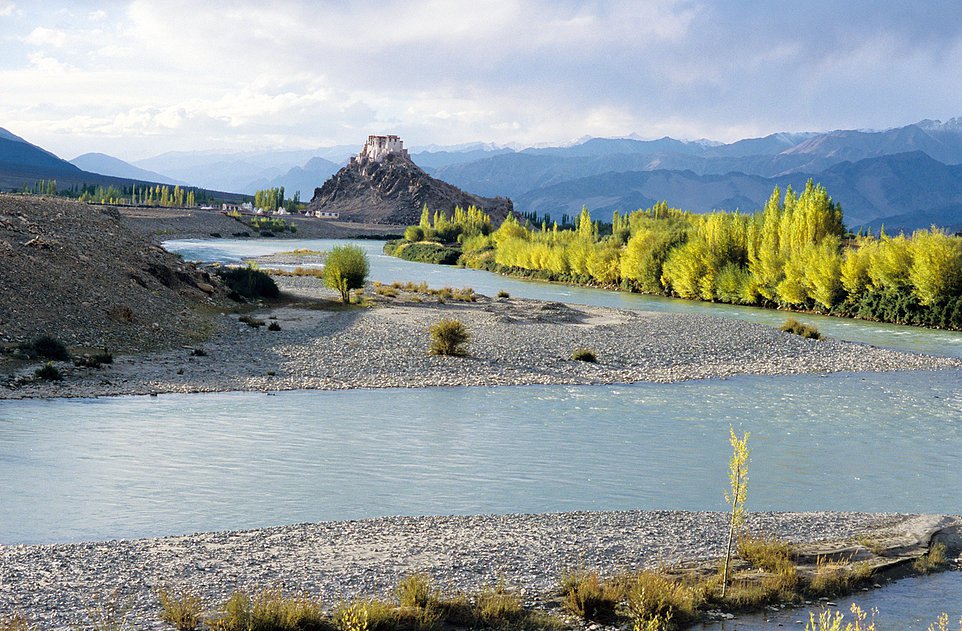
[{"x": 136, "y": 79}]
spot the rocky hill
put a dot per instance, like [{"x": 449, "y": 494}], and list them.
[
  {"x": 393, "y": 190},
  {"x": 77, "y": 272}
]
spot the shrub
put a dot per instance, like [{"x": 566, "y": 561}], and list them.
[
  {"x": 498, "y": 607},
  {"x": 771, "y": 555},
  {"x": 584, "y": 355},
  {"x": 249, "y": 282},
  {"x": 198, "y": 352},
  {"x": 386, "y": 290},
  {"x": 414, "y": 234},
  {"x": 269, "y": 611},
  {"x": 415, "y": 590},
  {"x": 183, "y": 611},
  {"x": 832, "y": 578},
  {"x": 364, "y": 615},
  {"x": 503, "y": 294},
  {"x": 449, "y": 337},
  {"x": 586, "y": 596},
  {"x": 346, "y": 268},
  {"x": 464, "y": 295},
  {"x": 657, "y": 599},
  {"x": 48, "y": 372},
  {"x": 47, "y": 347},
  {"x": 274, "y": 326},
  {"x": 932, "y": 560},
  {"x": 807, "y": 331}
]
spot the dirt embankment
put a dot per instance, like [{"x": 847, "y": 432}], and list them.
[
  {"x": 79, "y": 273},
  {"x": 180, "y": 223}
]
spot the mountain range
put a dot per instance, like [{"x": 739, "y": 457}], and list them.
[{"x": 905, "y": 178}]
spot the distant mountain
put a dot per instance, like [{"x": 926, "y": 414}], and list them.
[
  {"x": 430, "y": 160},
  {"x": 22, "y": 162},
  {"x": 868, "y": 190},
  {"x": 391, "y": 189},
  {"x": 304, "y": 179},
  {"x": 240, "y": 172},
  {"x": 108, "y": 165}
]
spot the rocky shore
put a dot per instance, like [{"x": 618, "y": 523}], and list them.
[
  {"x": 57, "y": 585},
  {"x": 324, "y": 345}
]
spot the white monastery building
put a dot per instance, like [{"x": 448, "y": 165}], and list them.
[{"x": 377, "y": 147}]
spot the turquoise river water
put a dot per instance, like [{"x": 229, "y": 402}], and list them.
[{"x": 91, "y": 469}]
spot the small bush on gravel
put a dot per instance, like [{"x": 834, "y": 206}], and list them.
[
  {"x": 183, "y": 611},
  {"x": 933, "y": 560},
  {"x": 449, "y": 337},
  {"x": 47, "y": 347},
  {"x": 269, "y": 611},
  {"x": 198, "y": 352},
  {"x": 584, "y": 355},
  {"x": 95, "y": 361},
  {"x": 48, "y": 372},
  {"x": 503, "y": 294},
  {"x": 249, "y": 282},
  {"x": 807, "y": 331},
  {"x": 415, "y": 590},
  {"x": 274, "y": 326},
  {"x": 655, "y": 597},
  {"x": 498, "y": 607},
  {"x": 588, "y": 597},
  {"x": 345, "y": 268}
]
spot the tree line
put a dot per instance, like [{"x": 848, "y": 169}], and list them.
[{"x": 794, "y": 253}]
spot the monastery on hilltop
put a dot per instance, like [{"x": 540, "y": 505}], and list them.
[{"x": 377, "y": 147}]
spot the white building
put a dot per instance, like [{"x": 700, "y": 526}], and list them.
[{"x": 377, "y": 147}]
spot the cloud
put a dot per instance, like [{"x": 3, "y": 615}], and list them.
[
  {"x": 43, "y": 36},
  {"x": 149, "y": 77},
  {"x": 7, "y": 8}
]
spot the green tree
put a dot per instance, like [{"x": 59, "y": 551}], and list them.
[
  {"x": 345, "y": 269},
  {"x": 738, "y": 481}
]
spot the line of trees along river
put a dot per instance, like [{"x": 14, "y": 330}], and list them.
[{"x": 795, "y": 253}]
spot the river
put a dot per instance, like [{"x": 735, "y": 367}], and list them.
[{"x": 91, "y": 469}]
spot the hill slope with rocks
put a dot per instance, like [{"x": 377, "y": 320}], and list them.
[
  {"x": 77, "y": 272},
  {"x": 393, "y": 190}
]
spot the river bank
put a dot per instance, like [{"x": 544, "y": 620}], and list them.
[
  {"x": 324, "y": 345},
  {"x": 56, "y": 585}
]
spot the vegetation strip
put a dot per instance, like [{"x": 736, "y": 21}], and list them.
[{"x": 794, "y": 254}]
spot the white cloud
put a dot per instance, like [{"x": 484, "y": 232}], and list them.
[
  {"x": 7, "y": 8},
  {"x": 43, "y": 36}
]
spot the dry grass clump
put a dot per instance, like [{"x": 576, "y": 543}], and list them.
[
  {"x": 656, "y": 601},
  {"x": 933, "y": 560},
  {"x": 269, "y": 610},
  {"x": 251, "y": 321},
  {"x": 449, "y": 337},
  {"x": 769, "y": 554},
  {"x": 184, "y": 610},
  {"x": 584, "y": 355},
  {"x": 832, "y": 578},
  {"x": 387, "y": 291},
  {"x": 585, "y": 595},
  {"x": 791, "y": 325}
]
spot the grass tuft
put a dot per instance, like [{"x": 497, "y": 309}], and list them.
[
  {"x": 46, "y": 347},
  {"x": 16, "y": 622},
  {"x": 449, "y": 337},
  {"x": 791, "y": 325},
  {"x": 656, "y": 601},
  {"x": 933, "y": 560},
  {"x": 584, "y": 355},
  {"x": 585, "y": 595},
  {"x": 184, "y": 611}
]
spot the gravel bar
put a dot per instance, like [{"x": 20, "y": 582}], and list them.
[
  {"x": 56, "y": 585},
  {"x": 514, "y": 342}
]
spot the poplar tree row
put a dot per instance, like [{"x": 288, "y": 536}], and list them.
[{"x": 794, "y": 253}]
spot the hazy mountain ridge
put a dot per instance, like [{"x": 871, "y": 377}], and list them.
[{"x": 108, "y": 165}]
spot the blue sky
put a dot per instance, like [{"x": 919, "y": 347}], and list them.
[{"x": 135, "y": 79}]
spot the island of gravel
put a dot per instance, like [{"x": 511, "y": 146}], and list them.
[
  {"x": 56, "y": 585},
  {"x": 324, "y": 345}
]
